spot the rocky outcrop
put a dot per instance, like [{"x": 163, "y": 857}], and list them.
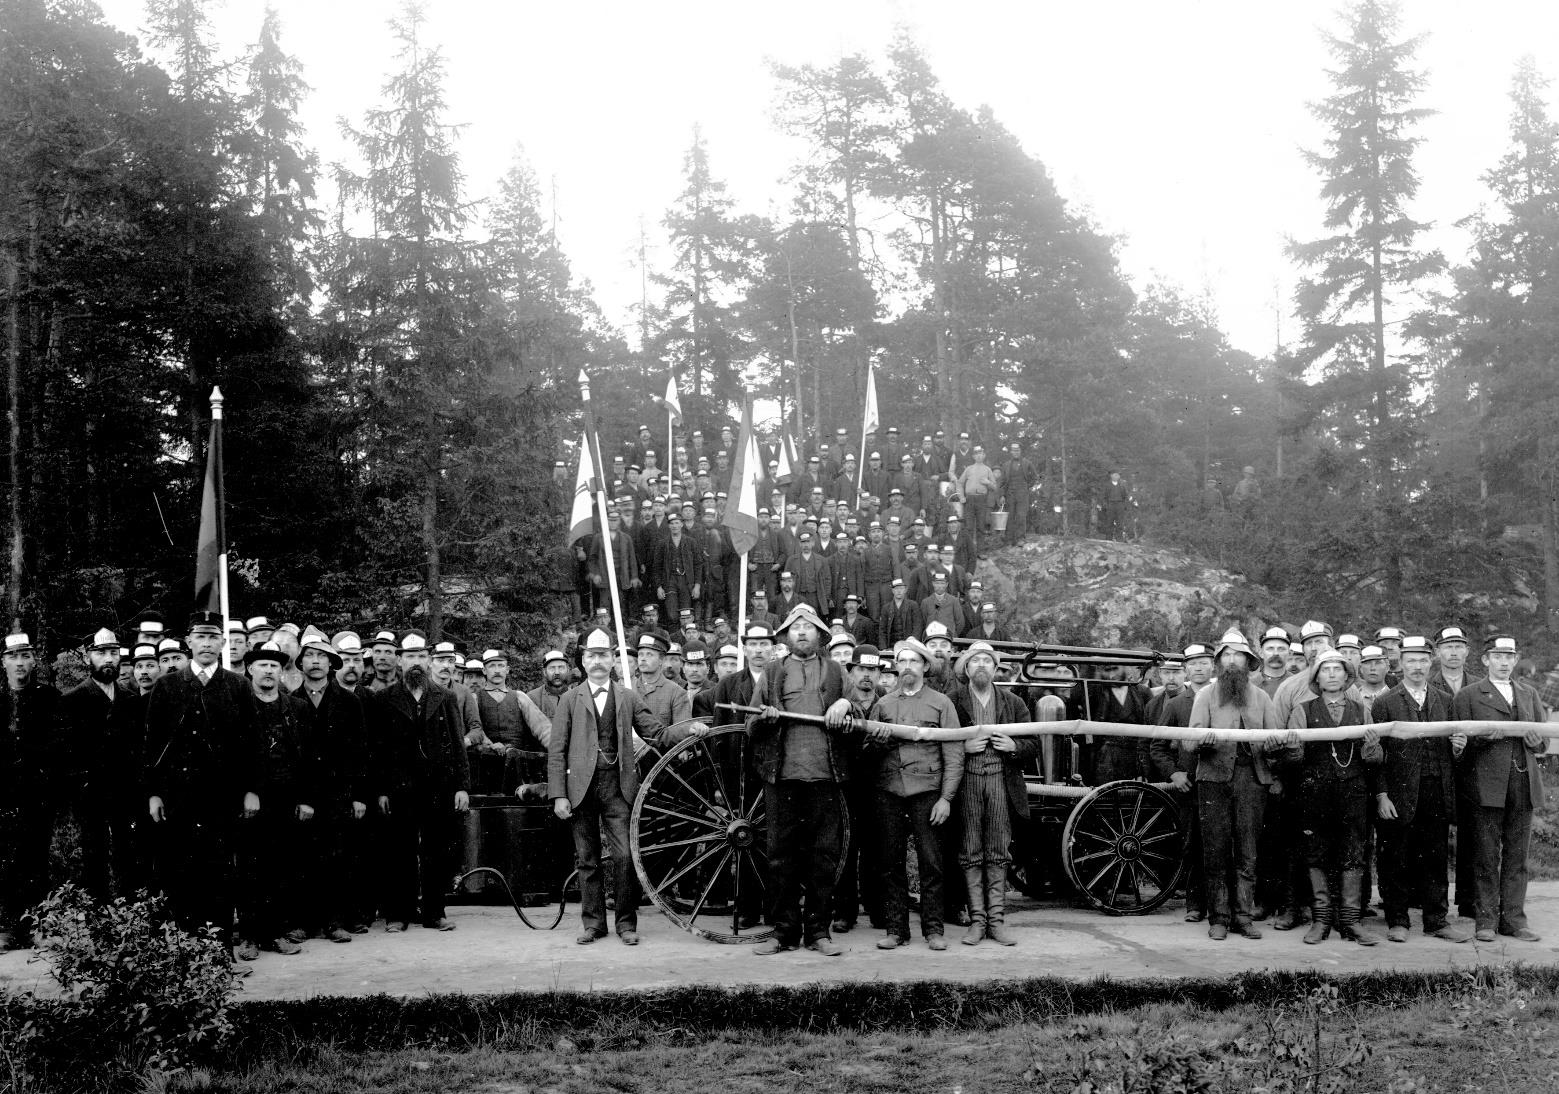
[{"x": 1104, "y": 593}]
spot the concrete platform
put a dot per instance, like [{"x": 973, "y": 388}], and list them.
[{"x": 492, "y": 951}]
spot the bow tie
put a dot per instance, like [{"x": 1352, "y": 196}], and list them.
[{"x": 597, "y": 692}]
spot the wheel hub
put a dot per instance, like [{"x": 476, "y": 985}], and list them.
[
  {"x": 1129, "y": 848},
  {"x": 740, "y": 833}
]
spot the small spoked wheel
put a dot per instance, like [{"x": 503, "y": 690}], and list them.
[
  {"x": 700, "y": 837},
  {"x": 1123, "y": 847}
]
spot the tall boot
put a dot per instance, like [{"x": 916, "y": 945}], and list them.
[
  {"x": 974, "y": 881},
  {"x": 1321, "y": 910},
  {"x": 1349, "y": 908},
  {"x": 996, "y": 905}
]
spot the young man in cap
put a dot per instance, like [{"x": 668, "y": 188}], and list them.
[
  {"x": 720, "y": 561},
  {"x": 696, "y": 669},
  {"x": 275, "y": 844},
  {"x": 102, "y": 747},
  {"x": 444, "y": 669},
  {"x": 987, "y": 628},
  {"x": 1415, "y": 800},
  {"x": 592, "y": 779},
  {"x": 814, "y": 578},
  {"x": 337, "y": 877},
  {"x": 144, "y": 671},
  {"x": 916, "y": 783},
  {"x": 728, "y": 660},
  {"x": 1232, "y": 780},
  {"x": 384, "y": 654},
  {"x": 802, "y": 765},
  {"x": 173, "y": 656},
  {"x": 1334, "y": 790},
  {"x": 942, "y": 606},
  {"x": 667, "y": 700},
  {"x": 902, "y": 618},
  {"x": 993, "y": 791},
  {"x": 423, "y": 782},
  {"x": 203, "y": 763},
  {"x": 1372, "y": 667},
  {"x": 1499, "y": 776}
]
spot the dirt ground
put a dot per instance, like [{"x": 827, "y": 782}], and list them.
[{"x": 492, "y": 951}]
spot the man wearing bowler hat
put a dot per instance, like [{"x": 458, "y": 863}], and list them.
[
  {"x": 1499, "y": 776},
  {"x": 592, "y": 780},
  {"x": 202, "y": 775}
]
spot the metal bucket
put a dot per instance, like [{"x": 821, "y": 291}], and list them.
[{"x": 999, "y": 521}]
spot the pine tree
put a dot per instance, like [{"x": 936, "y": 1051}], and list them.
[{"x": 1366, "y": 271}]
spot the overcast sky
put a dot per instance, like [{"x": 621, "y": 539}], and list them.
[{"x": 1178, "y": 126}]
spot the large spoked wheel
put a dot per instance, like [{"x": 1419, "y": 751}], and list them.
[
  {"x": 700, "y": 839},
  {"x": 1122, "y": 847}
]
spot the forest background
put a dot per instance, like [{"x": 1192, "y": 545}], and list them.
[{"x": 399, "y": 348}]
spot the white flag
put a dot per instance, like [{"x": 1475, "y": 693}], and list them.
[
  {"x": 871, "y": 422},
  {"x": 580, "y": 517}
]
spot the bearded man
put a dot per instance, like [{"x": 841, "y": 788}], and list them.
[{"x": 1231, "y": 785}]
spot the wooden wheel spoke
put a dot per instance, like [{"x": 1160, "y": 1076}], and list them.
[
  {"x": 666, "y": 845},
  {"x": 705, "y": 822},
  {"x": 671, "y": 770},
  {"x": 714, "y": 876},
  {"x": 1153, "y": 877},
  {"x": 1146, "y": 841},
  {"x": 1136, "y": 812},
  {"x": 1136, "y": 882},
  {"x": 715, "y": 764},
  {"x": 1082, "y": 832},
  {"x": 1080, "y": 859},
  {"x": 1093, "y": 881},
  {"x": 1149, "y": 824},
  {"x": 680, "y": 874}
]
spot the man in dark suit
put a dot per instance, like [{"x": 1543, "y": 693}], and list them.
[
  {"x": 423, "y": 780},
  {"x": 592, "y": 780},
  {"x": 98, "y": 719},
  {"x": 202, "y": 774},
  {"x": 334, "y": 872},
  {"x": 1500, "y": 776},
  {"x": 901, "y": 619},
  {"x": 1415, "y": 799},
  {"x": 1450, "y": 675}
]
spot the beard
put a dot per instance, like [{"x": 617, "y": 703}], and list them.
[
  {"x": 105, "y": 674},
  {"x": 1233, "y": 688},
  {"x": 416, "y": 677}
]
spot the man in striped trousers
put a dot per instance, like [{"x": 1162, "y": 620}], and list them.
[{"x": 992, "y": 791}]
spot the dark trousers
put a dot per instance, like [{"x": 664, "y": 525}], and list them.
[
  {"x": 1194, "y": 880},
  {"x": 420, "y": 848},
  {"x": 1018, "y": 519},
  {"x": 1502, "y": 836},
  {"x": 194, "y": 857},
  {"x": 807, "y": 838},
  {"x": 604, "y": 807},
  {"x": 1336, "y": 829},
  {"x": 25, "y": 831},
  {"x": 859, "y": 881},
  {"x": 1230, "y": 814},
  {"x": 976, "y": 506},
  {"x": 897, "y": 817},
  {"x": 679, "y": 595},
  {"x": 1413, "y": 859}
]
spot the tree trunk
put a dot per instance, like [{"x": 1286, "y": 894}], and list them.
[
  {"x": 430, "y": 545},
  {"x": 1550, "y": 483},
  {"x": 945, "y": 383},
  {"x": 13, "y": 378}
]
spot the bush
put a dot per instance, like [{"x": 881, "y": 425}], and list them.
[{"x": 141, "y": 994}]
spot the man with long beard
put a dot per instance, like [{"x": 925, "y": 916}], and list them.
[
  {"x": 1231, "y": 785},
  {"x": 423, "y": 782}
]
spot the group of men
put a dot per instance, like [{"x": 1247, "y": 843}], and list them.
[
  {"x": 1290, "y": 823},
  {"x": 834, "y": 528},
  {"x": 318, "y": 789},
  {"x": 308, "y": 793}
]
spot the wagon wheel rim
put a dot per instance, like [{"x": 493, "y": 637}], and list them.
[
  {"x": 699, "y": 835},
  {"x": 1123, "y": 848}
]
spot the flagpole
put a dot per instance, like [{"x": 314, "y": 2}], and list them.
[
  {"x": 606, "y": 530},
  {"x": 222, "y": 597}
]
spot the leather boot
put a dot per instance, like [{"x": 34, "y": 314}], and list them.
[
  {"x": 1349, "y": 909},
  {"x": 1321, "y": 908},
  {"x": 996, "y": 908},
  {"x": 974, "y": 881}
]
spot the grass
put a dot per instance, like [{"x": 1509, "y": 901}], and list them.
[{"x": 1462, "y": 1036}]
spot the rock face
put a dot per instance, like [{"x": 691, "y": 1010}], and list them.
[{"x": 1103, "y": 593}]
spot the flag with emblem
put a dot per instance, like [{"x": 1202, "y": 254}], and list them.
[
  {"x": 580, "y": 522},
  {"x": 741, "y": 516}
]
